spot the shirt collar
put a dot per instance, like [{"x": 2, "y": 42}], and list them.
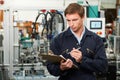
[{"x": 79, "y": 38}]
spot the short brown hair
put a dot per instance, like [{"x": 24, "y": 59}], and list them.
[{"x": 74, "y": 8}]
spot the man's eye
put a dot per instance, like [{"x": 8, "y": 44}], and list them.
[
  {"x": 72, "y": 20},
  {"x": 75, "y": 19},
  {"x": 68, "y": 20}
]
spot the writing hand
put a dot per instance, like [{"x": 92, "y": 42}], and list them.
[{"x": 76, "y": 54}]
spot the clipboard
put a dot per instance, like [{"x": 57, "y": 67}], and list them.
[{"x": 54, "y": 58}]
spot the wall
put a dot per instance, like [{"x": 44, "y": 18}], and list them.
[
  {"x": 43, "y": 3},
  {"x": 54, "y": 3},
  {"x": 36, "y": 3}
]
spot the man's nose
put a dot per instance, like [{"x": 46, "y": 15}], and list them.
[{"x": 71, "y": 23}]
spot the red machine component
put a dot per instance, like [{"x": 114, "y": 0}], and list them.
[
  {"x": 43, "y": 10},
  {"x": 52, "y": 10}
]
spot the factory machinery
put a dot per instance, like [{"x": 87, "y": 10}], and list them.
[
  {"x": 28, "y": 33},
  {"x": 114, "y": 52},
  {"x": 24, "y": 40},
  {"x": 50, "y": 23}
]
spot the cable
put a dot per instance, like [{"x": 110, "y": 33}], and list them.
[
  {"x": 63, "y": 26},
  {"x": 34, "y": 33},
  {"x": 48, "y": 22},
  {"x": 54, "y": 14}
]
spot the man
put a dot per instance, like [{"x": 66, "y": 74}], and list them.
[{"x": 80, "y": 47}]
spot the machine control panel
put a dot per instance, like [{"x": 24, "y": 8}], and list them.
[{"x": 96, "y": 25}]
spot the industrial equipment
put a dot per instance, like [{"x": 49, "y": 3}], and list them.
[
  {"x": 3, "y": 68},
  {"x": 96, "y": 25},
  {"x": 117, "y": 29},
  {"x": 117, "y": 52},
  {"x": 28, "y": 32},
  {"x": 30, "y": 37}
]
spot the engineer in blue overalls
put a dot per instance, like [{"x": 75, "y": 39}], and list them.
[{"x": 83, "y": 49}]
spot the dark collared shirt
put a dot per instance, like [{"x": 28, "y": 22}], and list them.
[{"x": 93, "y": 51}]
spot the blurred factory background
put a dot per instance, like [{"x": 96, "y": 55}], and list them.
[{"x": 28, "y": 26}]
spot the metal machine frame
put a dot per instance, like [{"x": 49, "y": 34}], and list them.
[{"x": 11, "y": 45}]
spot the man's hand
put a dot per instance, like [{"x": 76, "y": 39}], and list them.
[
  {"x": 76, "y": 54},
  {"x": 64, "y": 65}
]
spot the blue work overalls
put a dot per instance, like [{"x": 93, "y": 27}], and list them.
[{"x": 93, "y": 56}]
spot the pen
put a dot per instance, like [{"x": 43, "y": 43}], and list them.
[
  {"x": 79, "y": 48},
  {"x": 76, "y": 48}
]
